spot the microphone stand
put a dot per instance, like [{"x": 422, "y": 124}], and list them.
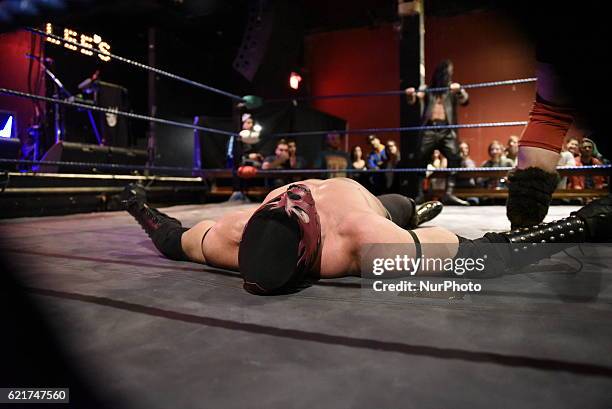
[{"x": 58, "y": 119}]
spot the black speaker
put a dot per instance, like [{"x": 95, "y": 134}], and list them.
[
  {"x": 272, "y": 45},
  {"x": 113, "y": 130},
  {"x": 95, "y": 154},
  {"x": 255, "y": 39},
  {"x": 9, "y": 149}
]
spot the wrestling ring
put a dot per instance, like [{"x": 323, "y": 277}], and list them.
[{"x": 163, "y": 333}]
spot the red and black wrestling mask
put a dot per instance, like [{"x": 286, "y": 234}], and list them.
[{"x": 280, "y": 243}]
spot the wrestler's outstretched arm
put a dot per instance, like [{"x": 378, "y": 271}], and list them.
[
  {"x": 380, "y": 231},
  {"x": 193, "y": 239},
  {"x": 216, "y": 242}
]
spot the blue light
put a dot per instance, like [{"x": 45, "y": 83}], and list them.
[{"x": 7, "y": 130}]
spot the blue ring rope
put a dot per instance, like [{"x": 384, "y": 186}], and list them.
[{"x": 402, "y": 92}]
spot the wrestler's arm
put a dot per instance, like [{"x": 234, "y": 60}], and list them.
[
  {"x": 436, "y": 242},
  {"x": 220, "y": 245}
]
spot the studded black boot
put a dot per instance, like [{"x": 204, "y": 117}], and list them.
[
  {"x": 521, "y": 247},
  {"x": 164, "y": 231}
]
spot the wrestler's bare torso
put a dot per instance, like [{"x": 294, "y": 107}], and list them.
[{"x": 350, "y": 217}]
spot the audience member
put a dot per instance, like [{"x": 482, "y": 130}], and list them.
[
  {"x": 249, "y": 138},
  {"x": 464, "y": 152},
  {"x": 359, "y": 163},
  {"x": 295, "y": 161},
  {"x": 393, "y": 158},
  {"x": 333, "y": 157},
  {"x": 588, "y": 152},
  {"x": 357, "y": 158},
  {"x": 280, "y": 160},
  {"x": 496, "y": 160},
  {"x": 512, "y": 149},
  {"x": 438, "y": 161},
  {"x": 467, "y": 162},
  {"x": 566, "y": 158},
  {"x": 378, "y": 156},
  {"x": 377, "y": 159}
]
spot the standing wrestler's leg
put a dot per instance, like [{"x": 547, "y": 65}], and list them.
[
  {"x": 532, "y": 183},
  {"x": 449, "y": 147},
  {"x": 427, "y": 144},
  {"x": 526, "y": 246}
]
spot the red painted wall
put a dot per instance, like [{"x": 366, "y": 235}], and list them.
[
  {"x": 356, "y": 60},
  {"x": 484, "y": 46},
  {"x": 14, "y": 74}
]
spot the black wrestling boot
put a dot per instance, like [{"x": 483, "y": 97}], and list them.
[
  {"x": 529, "y": 194},
  {"x": 164, "y": 231},
  {"x": 424, "y": 213},
  {"x": 513, "y": 250},
  {"x": 528, "y": 245}
]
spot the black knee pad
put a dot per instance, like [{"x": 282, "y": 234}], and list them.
[
  {"x": 529, "y": 194},
  {"x": 401, "y": 209}
]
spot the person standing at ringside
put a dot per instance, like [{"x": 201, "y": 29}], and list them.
[{"x": 440, "y": 108}]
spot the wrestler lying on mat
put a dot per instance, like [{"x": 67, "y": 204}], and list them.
[{"x": 316, "y": 229}]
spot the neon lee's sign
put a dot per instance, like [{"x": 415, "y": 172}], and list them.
[{"x": 75, "y": 42}]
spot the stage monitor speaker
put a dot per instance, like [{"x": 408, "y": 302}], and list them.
[
  {"x": 255, "y": 39},
  {"x": 113, "y": 129},
  {"x": 9, "y": 149},
  {"x": 95, "y": 154},
  {"x": 271, "y": 45}
]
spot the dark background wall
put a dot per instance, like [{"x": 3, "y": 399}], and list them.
[{"x": 485, "y": 46}]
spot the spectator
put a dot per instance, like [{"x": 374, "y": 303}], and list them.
[
  {"x": 566, "y": 158},
  {"x": 393, "y": 153},
  {"x": 512, "y": 149},
  {"x": 280, "y": 159},
  {"x": 332, "y": 157},
  {"x": 378, "y": 156},
  {"x": 588, "y": 150},
  {"x": 377, "y": 159},
  {"x": 464, "y": 151},
  {"x": 357, "y": 162},
  {"x": 438, "y": 161},
  {"x": 295, "y": 161},
  {"x": 467, "y": 162},
  {"x": 357, "y": 158},
  {"x": 393, "y": 158},
  {"x": 249, "y": 138},
  {"x": 496, "y": 160}
]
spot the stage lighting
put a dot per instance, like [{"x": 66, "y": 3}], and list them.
[{"x": 294, "y": 80}]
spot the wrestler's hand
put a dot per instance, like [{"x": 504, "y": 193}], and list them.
[
  {"x": 410, "y": 92},
  {"x": 455, "y": 87}
]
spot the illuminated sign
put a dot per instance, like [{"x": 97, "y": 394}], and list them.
[
  {"x": 75, "y": 42},
  {"x": 7, "y": 130}
]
